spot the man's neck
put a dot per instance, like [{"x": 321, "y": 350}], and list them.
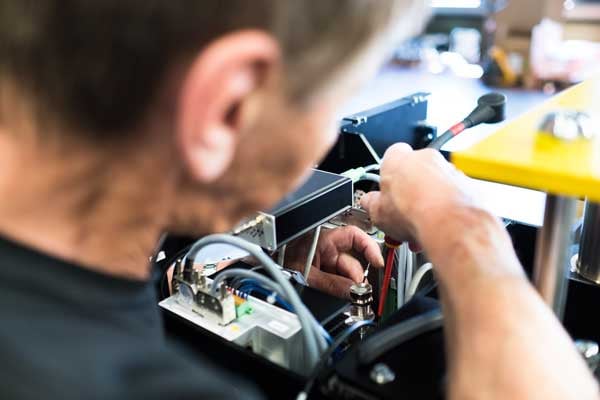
[{"x": 89, "y": 211}]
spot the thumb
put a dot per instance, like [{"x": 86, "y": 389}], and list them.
[{"x": 370, "y": 202}]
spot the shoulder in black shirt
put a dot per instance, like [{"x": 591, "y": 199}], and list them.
[{"x": 67, "y": 332}]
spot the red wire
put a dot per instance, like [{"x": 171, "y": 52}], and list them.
[
  {"x": 458, "y": 129},
  {"x": 387, "y": 277}
]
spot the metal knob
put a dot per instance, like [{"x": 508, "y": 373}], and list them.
[
  {"x": 568, "y": 125},
  {"x": 361, "y": 295}
]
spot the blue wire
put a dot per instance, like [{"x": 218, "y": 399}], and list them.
[
  {"x": 249, "y": 289},
  {"x": 325, "y": 334},
  {"x": 241, "y": 282},
  {"x": 251, "y": 283}
]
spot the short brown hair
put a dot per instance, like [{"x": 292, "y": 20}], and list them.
[{"x": 97, "y": 64}]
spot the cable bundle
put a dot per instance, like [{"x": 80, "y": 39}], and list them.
[{"x": 391, "y": 246}]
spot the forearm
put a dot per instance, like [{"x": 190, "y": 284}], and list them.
[{"x": 503, "y": 342}]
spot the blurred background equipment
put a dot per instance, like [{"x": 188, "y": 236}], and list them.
[
  {"x": 547, "y": 44},
  {"x": 491, "y": 109}
]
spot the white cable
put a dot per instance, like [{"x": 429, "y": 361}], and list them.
[
  {"x": 371, "y": 168},
  {"x": 311, "y": 252},
  {"x": 401, "y": 276},
  {"x": 267, "y": 283},
  {"x": 409, "y": 270},
  {"x": 371, "y": 178},
  {"x": 416, "y": 280},
  {"x": 244, "y": 273},
  {"x": 281, "y": 255},
  {"x": 314, "y": 343}
]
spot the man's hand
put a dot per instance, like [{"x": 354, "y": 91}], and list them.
[
  {"x": 336, "y": 265},
  {"x": 424, "y": 198},
  {"x": 416, "y": 187}
]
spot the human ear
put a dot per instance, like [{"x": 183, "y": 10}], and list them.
[{"x": 217, "y": 86}]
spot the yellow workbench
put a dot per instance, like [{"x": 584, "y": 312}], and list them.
[{"x": 519, "y": 155}]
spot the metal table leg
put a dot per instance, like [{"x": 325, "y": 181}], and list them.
[
  {"x": 551, "y": 269},
  {"x": 588, "y": 264}
]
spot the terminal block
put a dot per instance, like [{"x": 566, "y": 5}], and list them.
[{"x": 194, "y": 292}]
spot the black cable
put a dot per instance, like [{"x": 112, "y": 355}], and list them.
[
  {"x": 440, "y": 141},
  {"x": 490, "y": 109},
  {"x": 426, "y": 289},
  {"x": 380, "y": 343},
  {"x": 163, "y": 287},
  {"x": 324, "y": 359}
]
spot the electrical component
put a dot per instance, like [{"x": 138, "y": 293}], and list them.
[
  {"x": 193, "y": 291},
  {"x": 255, "y": 300},
  {"x": 392, "y": 246},
  {"x": 390, "y": 123},
  {"x": 269, "y": 331},
  {"x": 361, "y": 295},
  {"x": 410, "y": 343},
  {"x": 321, "y": 198},
  {"x": 313, "y": 341},
  {"x": 345, "y": 335},
  {"x": 363, "y": 174},
  {"x": 242, "y": 307},
  {"x": 355, "y": 174},
  {"x": 355, "y": 217}
]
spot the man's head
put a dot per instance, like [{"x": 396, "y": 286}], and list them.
[{"x": 231, "y": 101}]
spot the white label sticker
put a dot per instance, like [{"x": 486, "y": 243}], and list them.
[{"x": 278, "y": 326}]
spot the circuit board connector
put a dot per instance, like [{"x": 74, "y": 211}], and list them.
[{"x": 194, "y": 292}]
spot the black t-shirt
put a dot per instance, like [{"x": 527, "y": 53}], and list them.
[{"x": 70, "y": 333}]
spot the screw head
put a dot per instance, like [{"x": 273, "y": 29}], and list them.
[
  {"x": 382, "y": 374},
  {"x": 587, "y": 349}
]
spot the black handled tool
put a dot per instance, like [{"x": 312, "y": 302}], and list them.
[{"x": 490, "y": 109}]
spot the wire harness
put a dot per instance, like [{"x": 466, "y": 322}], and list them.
[{"x": 314, "y": 342}]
